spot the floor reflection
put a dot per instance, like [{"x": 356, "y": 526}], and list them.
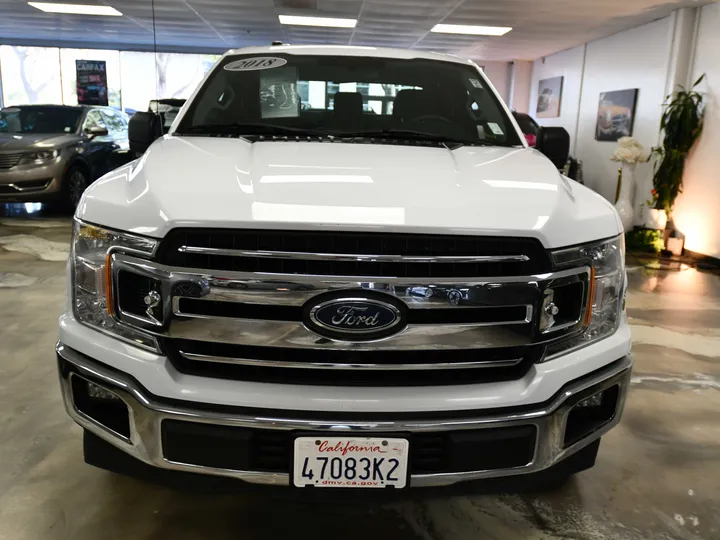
[
  {"x": 684, "y": 279},
  {"x": 31, "y": 210}
]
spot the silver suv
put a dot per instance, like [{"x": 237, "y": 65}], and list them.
[{"x": 54, "y": 152}]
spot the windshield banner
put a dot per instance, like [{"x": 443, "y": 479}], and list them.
[{"x": 92, "y": 86}]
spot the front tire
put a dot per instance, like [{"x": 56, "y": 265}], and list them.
[{"x": 77, "y": 180}]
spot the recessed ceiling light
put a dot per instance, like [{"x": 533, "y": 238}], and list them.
[
  {"x": 76, "y": 9},
  {"x": 317, "y": 21},
  {"x": 471, "y": 30}
]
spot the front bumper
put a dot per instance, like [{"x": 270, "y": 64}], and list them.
[
  {"x": 147, "y": 413},
  {"x": 32, "y": 183}
]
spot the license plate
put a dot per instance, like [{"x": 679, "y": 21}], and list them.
[{"x": 356, "y": 462}]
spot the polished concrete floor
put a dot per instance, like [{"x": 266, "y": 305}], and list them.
[{"x": 657, "y": 475}]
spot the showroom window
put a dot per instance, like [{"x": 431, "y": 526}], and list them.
[
  {"x": 377, "y": 98},
  {"x": 30, "y": 75},
  {"x": 177, "y": 76}
]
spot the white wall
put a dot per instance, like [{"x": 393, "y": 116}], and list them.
[
  {"x": 637, "y": 58},
  {"x": 521, "y": 77},
  {"x": 569, "y": 65},
  {"x": 497, "y": 72},
  {"x": 697, "y": 210}
]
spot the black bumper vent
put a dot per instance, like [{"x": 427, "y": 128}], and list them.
[
  {"x": 417, "y": 245},
  {"x": 247, "y": 449}
]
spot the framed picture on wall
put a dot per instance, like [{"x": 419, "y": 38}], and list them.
[
  {"x": 549, "y": 97},
  {"x": 616, "y": 114}
]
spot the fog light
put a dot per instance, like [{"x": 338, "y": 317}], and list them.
[
  {"x": 592, "y": 401},
  {"x": 98, "y": 392}
]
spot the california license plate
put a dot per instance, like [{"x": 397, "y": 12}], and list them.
[{"x": 355, "y": 462}]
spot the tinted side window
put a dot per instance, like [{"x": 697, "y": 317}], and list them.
[
  {"x": 114, "y": 121},
  {"x": 94, "y": 119}
]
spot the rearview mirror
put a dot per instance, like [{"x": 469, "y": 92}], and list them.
[
  {"x": 554, "y": 142},
  {"x": 96, "y": 131},
  {"x": 143, "y": 129}
]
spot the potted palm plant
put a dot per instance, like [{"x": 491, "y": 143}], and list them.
[{"x": 681, "y": 125}]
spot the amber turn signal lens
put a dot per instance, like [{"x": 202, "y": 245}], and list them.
[
  {"x": 108, "y": 285},
  {"x": 591, "y": 297}
]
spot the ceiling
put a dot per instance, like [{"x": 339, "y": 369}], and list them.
[{"x": 540, "y": 27}]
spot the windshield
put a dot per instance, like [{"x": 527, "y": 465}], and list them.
[
  {"x": 40, "y": 119},
  {"x": 354, "y": 96}
]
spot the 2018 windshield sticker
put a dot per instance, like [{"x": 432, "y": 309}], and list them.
[
  {"x": 476, "y": 83},
  {"x": 255, "y": 63}
]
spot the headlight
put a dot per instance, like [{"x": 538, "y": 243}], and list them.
[
  {"x": 91, "y": 294},
  {"x": 39, "y": 157},
  {"x": 607, "y": 261}
]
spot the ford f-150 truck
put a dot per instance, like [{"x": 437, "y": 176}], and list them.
[{"x": 343, "y": 267}]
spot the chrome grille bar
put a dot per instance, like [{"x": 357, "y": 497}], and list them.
[
  {"x": 296, "y": 293},
  {"x": 349, "y": 366},
  {"x": 262, "y": 254},
  {"x": 296, "y": 335}
]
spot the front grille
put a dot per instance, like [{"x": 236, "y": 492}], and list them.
[
  {"x": 241, "y": 305},
  {"x": 212, "y": 250},
  {"x": 512, "y": 364},
  {"x": 247, "y": 449},
  {"x": 8, "y": 161}
]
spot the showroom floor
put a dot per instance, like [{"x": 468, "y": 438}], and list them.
[{"x": 657, "y": 476}]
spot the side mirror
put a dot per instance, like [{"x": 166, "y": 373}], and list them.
[
  {"x": 96, "y": 131},
  {"x": 554, "y": 142},
  {"x": 143, "y": 129}
]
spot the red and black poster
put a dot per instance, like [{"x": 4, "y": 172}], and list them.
[{"x": 92, "y": 86}]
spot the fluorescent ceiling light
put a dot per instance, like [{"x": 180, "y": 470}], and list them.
[
  {"x": 76, "y": 9},
  {"x": 471, "y": 30},
  {"x": 317, "y": 21}
]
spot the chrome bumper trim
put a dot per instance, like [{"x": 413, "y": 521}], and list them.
[
  {"x": 20, "y": 189},
  {"x": 147, "y": 413}
]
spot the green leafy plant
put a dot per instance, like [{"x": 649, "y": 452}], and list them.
[
  {"x": 644, "y": 241},
  {"x": 681, "y": 124}
]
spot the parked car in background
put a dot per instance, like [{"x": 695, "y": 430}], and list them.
[
  {"x": 529, "y": 127},
  {"x": 54, "y": 152}
]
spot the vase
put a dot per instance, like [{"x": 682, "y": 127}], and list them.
[
  {"x": 655, "y": 219},
  {"x": 624, "y": 204}
]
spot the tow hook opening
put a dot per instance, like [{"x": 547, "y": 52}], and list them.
[
  {"x": 101, "y": 405},
  {"x": 590, "y": 414}
]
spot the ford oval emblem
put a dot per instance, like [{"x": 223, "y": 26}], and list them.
[{"x": 355, "y": 318}]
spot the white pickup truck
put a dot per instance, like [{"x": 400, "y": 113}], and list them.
[{"x": 343, "y": 267}]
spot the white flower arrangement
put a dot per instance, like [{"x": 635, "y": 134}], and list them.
[{"x": 629, "y": 151}]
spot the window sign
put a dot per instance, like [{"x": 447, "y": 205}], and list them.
[
  {"x": 279, "y": 96},
  {"x": 92, "y": 86}
]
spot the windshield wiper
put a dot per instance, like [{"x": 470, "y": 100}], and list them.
[
  {"x": 456, "y": 142},
  {"x": 251, "y": 129}
]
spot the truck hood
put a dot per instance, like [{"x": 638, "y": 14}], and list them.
[
  {"x": 14, "y": 142},
  {"x": 216, "y": 182}
]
